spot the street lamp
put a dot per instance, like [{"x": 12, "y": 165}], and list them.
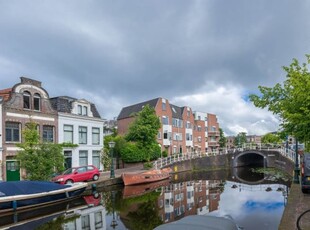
[
  {"x": 296, "y": 170},
  {"x": 111, "y": 145}
]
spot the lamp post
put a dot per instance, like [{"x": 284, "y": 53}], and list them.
[
  {"x": 111, "y": 145},
  {"x": 296, "y": 170}
]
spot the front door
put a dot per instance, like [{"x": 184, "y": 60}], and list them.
[
  {"x": 12, "y": 171},
  {"x": 68, "y": 159}
]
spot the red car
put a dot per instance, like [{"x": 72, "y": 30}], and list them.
[{"x": 78, "y": 174}]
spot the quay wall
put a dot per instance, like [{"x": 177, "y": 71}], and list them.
[{"x": 226, "y": 162}]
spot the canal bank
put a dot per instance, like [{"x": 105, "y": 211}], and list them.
[{"x": 296, "y": 209}]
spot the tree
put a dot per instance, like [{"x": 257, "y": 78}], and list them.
[
  {"x": 240, "y": 139},
  {"x": 290, "y": 101},
  {"x": 143, "y": 131},
  {"x": 271, "y": 138},
  {"x": 223, "y": 139},
  {"x": 39, "y": 159}
]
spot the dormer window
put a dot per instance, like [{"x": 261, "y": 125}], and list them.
[
  {"x": 36, "y": 102},
  {"x": 79, "y": 110},
  {"x": 26, "y": 99},
  {"x": 84, "y": 110}
]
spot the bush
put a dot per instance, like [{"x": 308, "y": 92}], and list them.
[
  {"x": 165, "y": 153},
  {"x": 131, "y": 153}
]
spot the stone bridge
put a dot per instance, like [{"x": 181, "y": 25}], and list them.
[{"x": 278, "y": 158}]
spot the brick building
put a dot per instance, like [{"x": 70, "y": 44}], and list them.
[
  {"x": 59, "y": 120},
  {"x": 182, "y": 130},
  {"x": 25, "y": 102}
]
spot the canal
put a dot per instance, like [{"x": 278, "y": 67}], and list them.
[{"x": 253, "y": 198}]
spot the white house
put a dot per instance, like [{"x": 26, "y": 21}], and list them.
[{"x": 79, "y": 123}]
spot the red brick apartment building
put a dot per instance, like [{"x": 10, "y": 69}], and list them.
[{"x": 182, "y": 130}]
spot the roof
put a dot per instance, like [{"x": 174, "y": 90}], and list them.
[
  {"x": 5, "y": 93},
  {"x": 129, "y": 111},
  {"x": 176, "y": 111},
  {"x": 64, "y": 104}
]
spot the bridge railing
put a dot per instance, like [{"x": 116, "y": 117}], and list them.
[{"x": 162, "y": 162}]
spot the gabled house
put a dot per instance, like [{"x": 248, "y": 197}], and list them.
[
  {"x": 80, "y": 124},
  {"x": 25, "y": 102}
]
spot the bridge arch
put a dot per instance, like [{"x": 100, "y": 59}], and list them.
[{"x": 250, "y": 158}]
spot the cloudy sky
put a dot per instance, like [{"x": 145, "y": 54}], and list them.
[{"x": 205, "y": 54}]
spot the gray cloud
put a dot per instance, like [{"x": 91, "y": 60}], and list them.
[{"x": 117, "y": 53}]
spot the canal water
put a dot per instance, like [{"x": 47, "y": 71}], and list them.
[{"x": 253, "y": 198}]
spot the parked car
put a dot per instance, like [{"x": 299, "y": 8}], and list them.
[
  {"x": 78, "y": 174},
  {"x": 305, "y": 173}
]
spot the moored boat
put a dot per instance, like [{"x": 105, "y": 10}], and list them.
[
  {"x": 146, "y": 177},
  {"x": 201, "y": 222},
  {"x": 21, "y": 195}
]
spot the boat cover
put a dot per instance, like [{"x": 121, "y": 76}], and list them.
[
  {"x": 12, "y": 188},
  {"x": 200, "y": 222}
]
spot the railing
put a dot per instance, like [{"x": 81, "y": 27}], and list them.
[{"x": 162, "y": 162}]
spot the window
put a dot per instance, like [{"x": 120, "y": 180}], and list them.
[
  {"x": 159, "y": 135},
  {"x": 48, "y": 133},
  {"x": 36, "y": 102},
  {"x": 96, "y": 158},
  {"x": 79, "y": 110},
  {"x": 165, "y": 134},
  {"x": 96, "y": 136},
  {"x": 83, "y": 158},
  {"x": 163, "y": 105},
  {"x": 199, "y": 128},
  {"x": 82, "y": 135},
  {"x": 85, "y": 222},
  {"x": 165, "y": 120},
  {"x": 12, "y": 132},
  {"x": 26, "y": 98},
  {"x": 98, "y": 220},
  {"x": 84, "y": 110},
  {"x": 68, "y": 133}
]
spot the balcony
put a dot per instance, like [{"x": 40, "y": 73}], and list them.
[{"x": 214, "y": 133}]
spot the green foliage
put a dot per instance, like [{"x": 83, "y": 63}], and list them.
[
  {"x": 147, "y": 165},
  {"x": 271, "y": 138},
  {"x": 290, "y": 101},
  {"x": 39, "y": 159},
  {"x": 132, "y": 153},
  {"x": 240, "y": 139},
  {"x": 143, "y": 131},
  {"x": 223, "y": 139},
  {"x": 164, "y": 153}
]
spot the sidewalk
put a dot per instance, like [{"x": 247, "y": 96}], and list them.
[{"x": 297, "y": 204}]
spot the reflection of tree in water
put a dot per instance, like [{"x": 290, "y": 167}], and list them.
[
  {"x": 146, "y": 216},
  {"x": 57, "y": 224}
]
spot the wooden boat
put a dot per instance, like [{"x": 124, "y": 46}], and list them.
[
  {"x": 146, "y": 177},
  {"x": 21, "y": 195},
  {"x": 140, "y": 189}
]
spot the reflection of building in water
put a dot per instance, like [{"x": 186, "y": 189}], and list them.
[
  {"x": 189, "y": 198},
  {"x": 89, "y": 218}
]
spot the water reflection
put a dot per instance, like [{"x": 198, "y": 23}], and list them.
[{"x": 252, "y": 204}]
